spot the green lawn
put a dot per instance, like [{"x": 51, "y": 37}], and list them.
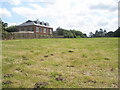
[{"x": 61, "y": 63}]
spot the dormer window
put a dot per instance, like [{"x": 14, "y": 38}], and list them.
[
  {"x": 45, "y": 24},
  {"x": 40, "y": 23}
]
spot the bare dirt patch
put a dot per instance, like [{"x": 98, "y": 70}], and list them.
[{"x": 40, "y": 85}]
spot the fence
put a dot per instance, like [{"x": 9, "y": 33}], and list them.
[{"x": 7, "y": 36}]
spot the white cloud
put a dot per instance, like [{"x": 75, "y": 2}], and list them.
[
  {"x": 4, "y": 13},
  {"x": 12, "y": 2},
  {"x": 84, "y": 15},
  {"x": 11, "y": 24},
  {"x": 17, "y": 2}
]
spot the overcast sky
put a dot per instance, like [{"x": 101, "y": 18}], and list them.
[{"x": 84, "y": 15}]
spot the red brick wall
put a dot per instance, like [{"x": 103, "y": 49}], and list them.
[{"x": 34, "y": 29}]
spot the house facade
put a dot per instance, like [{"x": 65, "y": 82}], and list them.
[{"x": 36, "y": 27}]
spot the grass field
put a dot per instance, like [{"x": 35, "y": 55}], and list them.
[{"x": 60, "y": 63}]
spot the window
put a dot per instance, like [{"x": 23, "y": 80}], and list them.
[
  {"x": 19, "y": 29},
  {"x": 30, "y": 29},
  {"x": 44, "y": 30},
  {"x": 37, "y": 29},
  {"x": 25, "y": 29},
  {"x": 22, "y": 29},
  {"x": 41, "y": 30},
  {"x": 50, "y": 31}
]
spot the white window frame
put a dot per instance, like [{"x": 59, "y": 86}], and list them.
[
  {"x": 37, "y": 29},
  {"x": 40, "y": 30},
  {"x": 45, "y": 30},
  {"x": 50, "y": 31},
  {"x": 30, "y": 28}
]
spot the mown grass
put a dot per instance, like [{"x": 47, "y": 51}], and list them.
[{"x": 93, "y": 62}]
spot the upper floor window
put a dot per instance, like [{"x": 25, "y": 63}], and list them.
[
  {"x": 37, "y": 29},
  {"x": 45, "y": 30}
]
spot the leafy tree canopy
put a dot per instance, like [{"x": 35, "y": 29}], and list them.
[{"x": 69, "y": 33}]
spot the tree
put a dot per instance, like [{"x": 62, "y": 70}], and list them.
[
  {"x": 59, "y": 31},
  {"x": 69, "y": 33},
  {"x": 91, "y": 34},
  {"x": 85, "y": 35},
  {"x": 104, "y": 33},
  {"x": 96, "y": 33},
  {"x": 66, "y": 35},
  {"x": 100, "y": 33},
  {"x": 117, "y": 33},
  {"x": 110, "y": 34},
  {"x": 3, "y": 29},
  {"x": 3, "y": 26},
  {"x": 73, "y": 32},
  {"x": 12, "y": 29}
]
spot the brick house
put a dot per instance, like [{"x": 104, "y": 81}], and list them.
[{"x": 36, "y": 27}]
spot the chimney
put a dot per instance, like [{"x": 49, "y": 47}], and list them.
[{"x": 37, "y": 21}]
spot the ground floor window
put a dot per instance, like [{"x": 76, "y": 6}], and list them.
[
  {"x": 25, "y": 28},
  {"x": 37, "y": 29},
  {"x": 41, "y": 30},
  {"x": 45, "y": 30},
  {"x": 50, "y": 31},
  {"x": 30, "y": 29},
  {"x": 20, "y": 29}
]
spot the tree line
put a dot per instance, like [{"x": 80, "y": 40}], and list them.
[
  {"x": 69, "y": 33},
  {"x": 104, "y": 33}
]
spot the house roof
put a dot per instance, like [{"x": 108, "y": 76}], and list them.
[{"x": 36, "y": 22}]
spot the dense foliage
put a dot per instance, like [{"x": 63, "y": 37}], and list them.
[
  {"x": 69, "y": 33},
  {"x": 104, "y": 33},
  {"x": 11, "y": 29},
  {"x": 3, "y": 26},
  {"x": 6, "y": 28}
]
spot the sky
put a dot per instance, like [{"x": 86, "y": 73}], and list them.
[{"x": 83, "y": 15}]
